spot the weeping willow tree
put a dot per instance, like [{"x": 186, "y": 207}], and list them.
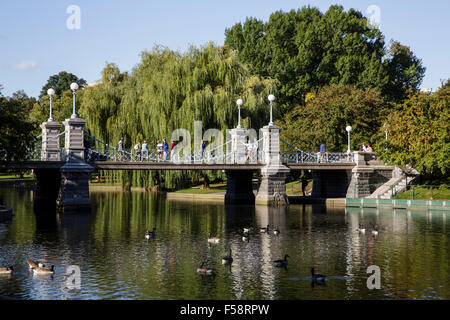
[{"x": 168, "y": 90}]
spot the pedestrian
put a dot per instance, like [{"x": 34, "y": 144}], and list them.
[
  {"x": 203, "y": 147},
  {"x": 137, "y": 149},
  {"x": 144, "y": 151},
  {"x": 166, "y": 150},
  {"x": 369, "y": 148},
  {"x": 321, "y": 152},
  {"x": 304, "y": 184},
  {"x": 120, "y": 148},
  {"x": 159, "y": 150},
  {"x": 172, "y": 147}
]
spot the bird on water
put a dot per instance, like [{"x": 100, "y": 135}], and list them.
[
  {"x": 213, "y": 239},
  {"x": 205, "y": 270},
  {"x": 7, "y": 270},
  {"x": 227, "y": 259},
  {"x": 282, "y": 262}
]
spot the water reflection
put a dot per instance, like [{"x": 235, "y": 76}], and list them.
[{"x": 117, "y": 262}]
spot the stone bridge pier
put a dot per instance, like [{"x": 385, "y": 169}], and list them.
[
  {"x": 272, "y": 177},
  {"x": 75, "y": 174},
  {"x": 68, "y": 185}
]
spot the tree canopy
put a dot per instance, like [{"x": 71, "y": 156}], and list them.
[
  {"x": 326, "y": 114},
  {"x": 418, "y": 133},
  {"x": 61, "y": 82},
  {"x": 306, "y": 49},
  {"x": 15, "y": 130}
]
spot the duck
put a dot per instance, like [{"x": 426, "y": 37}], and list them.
[
  {"x": 149, "y": 234},
  {"x": 276, "y": 231},
  {"x": 213, "y": 239},
  {"x": 205, "y": 270},
  {"x": 43, "y": 271},
  {"x": 227, "y": 259},
  {"x": 33, "y": 264},
  {"x": 264, "y": 229},
  {"x": 7, "y": 270},
  {"x": 282, "y": 262},
  {"x": 317, "y": 278}
]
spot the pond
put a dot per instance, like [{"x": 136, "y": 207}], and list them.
[{"x": 115, "y": 260}]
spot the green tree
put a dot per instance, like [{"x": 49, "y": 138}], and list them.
[
  {"x": 405, "y": 72},
  {"x": 16, "y": 133},
  {"x": 327, "y": 113},
  {"x": 418, "y": 133},
  {"x": 306, "y": 49},
  {"x": 61, "y": 82}
]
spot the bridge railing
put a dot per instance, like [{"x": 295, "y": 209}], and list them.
[{"x": 291, "y": 154}]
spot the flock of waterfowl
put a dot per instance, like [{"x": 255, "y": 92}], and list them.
[
  {"x": 203, "y": 269},
  {"x": 37, "y": 268}
]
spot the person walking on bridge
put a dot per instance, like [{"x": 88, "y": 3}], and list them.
[
  {"x": 120, "y": 148},
  {"x": 159, "y": 150},
  {"x": 144, "y": 151},
  {"x": 166, "y": 150}
]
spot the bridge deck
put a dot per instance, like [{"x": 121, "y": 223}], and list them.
[{"x": 138, "y": 165}]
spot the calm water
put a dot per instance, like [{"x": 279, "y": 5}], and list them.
[{"x": 116, "y": 262}]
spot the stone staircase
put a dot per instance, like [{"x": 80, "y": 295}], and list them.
[{"x": 397, "y": 184}]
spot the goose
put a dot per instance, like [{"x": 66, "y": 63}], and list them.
[
  {"x": 205, "y": 270},
  {"x": 149, "y": 234},
  {"x": 276, "y": 231},
  {"x": 281, "y": 262},
  {"x": 213, "y": 239},
  {"x": 247, "y": 229},
  {"x": 7, "y": 270},
  {"x": 43, "y": 271},
  {"x": 264, "y": 229},
  {"x": 361, "y": 229},
  {"x": 33, "y": 264},
  {"x": 227, "y": 259},
  {"x": 246, "y": 237},
  {"x": 375, "y": 232},
  {"x": 318, "y": 278}
]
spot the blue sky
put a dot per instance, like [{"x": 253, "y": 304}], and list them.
[{"x": 35, "y": 42}]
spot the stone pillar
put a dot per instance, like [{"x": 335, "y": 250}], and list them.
[
  {"x": 50, "y": 149},
  {"x": 272, "y": 189},
  {"x": 74, "y": 192},
  {"x": 239, "y": 187},
  {"x": 238, "y": 140}
]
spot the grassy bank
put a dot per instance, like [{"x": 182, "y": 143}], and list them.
[
  {"x": 426, "y": 193},
  {"x": 294, "y": 188},
  {"x": 213, "y": 188},
  {"x": 13, "y": 177}
]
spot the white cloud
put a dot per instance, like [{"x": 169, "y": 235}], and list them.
[{"x": 25, "y": 65}]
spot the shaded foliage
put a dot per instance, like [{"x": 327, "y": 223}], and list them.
[{"x": 326, "y": 114}]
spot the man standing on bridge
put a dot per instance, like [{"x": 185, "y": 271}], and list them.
[{"x": 120, "y": 148}]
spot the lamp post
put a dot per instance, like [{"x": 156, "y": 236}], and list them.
[
  {"x": 239, "y": 103},
  {"x": 386, "y": 128},
  {"x": 50, "y": 92},
  {"x": 271, "y": 99},
  {"x": 348, "y": 128},
  {"x": 74, "y": 88}
]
